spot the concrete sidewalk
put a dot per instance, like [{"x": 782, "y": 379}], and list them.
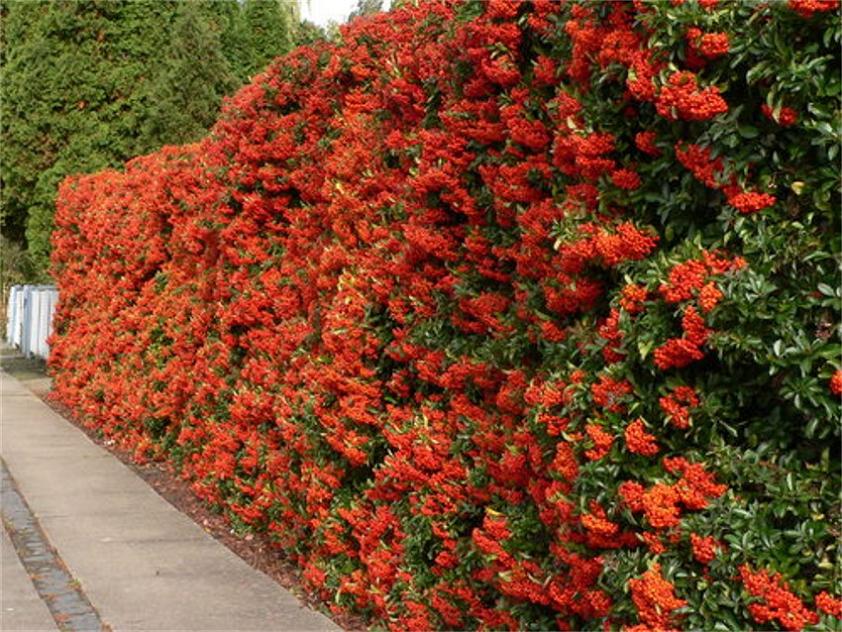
[
  {"x": 22, "y": 608},
  {"x": 141, "y": 563}
]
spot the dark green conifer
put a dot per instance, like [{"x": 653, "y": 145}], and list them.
[{"x": 88, "y": 84}]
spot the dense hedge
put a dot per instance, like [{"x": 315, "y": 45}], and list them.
[{"x": 497, "y": 314}]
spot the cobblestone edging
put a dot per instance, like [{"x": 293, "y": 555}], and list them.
[{"x": 55, "y": 585}]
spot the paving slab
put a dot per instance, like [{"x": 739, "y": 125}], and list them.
[
  {"x": 142, "y": 564},
  {"x": 55, "y": 586},
  {"x": 21, "y": 608}
]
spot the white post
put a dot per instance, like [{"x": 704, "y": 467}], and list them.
[
  {"x": 43, "y": 322},
  {"x": 52, "y": 299},
  {"x": 17, "y": 334},
  {"x": 34, "y": 317},
  {"x": 26, "y": 323},
  {"x": 11, "y": 312}
]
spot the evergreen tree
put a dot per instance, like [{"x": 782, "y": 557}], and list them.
[
  {"x": 366, "y": 7},
  {"x": 269, "y": 24},
  {"x": 74, "y": 77},
  {"x": 308, "y": 33},
  {"x": 191, "y": 79},
  {"x": 228, "y": 20},
  {"x": 88, "y": 84}
]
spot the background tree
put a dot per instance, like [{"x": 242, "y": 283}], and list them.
[
  {"x": 88, "y": 84},
  {"x": 185, "y": 95},
  {"x": 228, "y": 20},
  {"x": 269, "y": 24},
  {"x": 308, "y": 33},
  {"x": 73, "y": 79},
  {"x": 366, "y": 7}
]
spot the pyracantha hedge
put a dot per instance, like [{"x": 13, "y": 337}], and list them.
[{"x": 497, "y": 314}]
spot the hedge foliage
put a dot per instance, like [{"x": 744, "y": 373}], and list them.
[{"x": 497, "y": 314}]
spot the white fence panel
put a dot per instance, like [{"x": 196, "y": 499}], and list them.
[{"x": 29, "y": 318}]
